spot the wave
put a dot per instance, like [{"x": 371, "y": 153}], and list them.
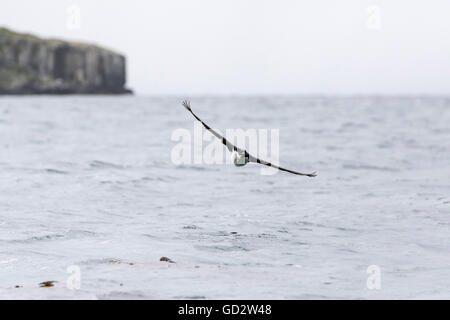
[
  {"x": 368, "y": 167},
  {"x": 56, "y": 171},
  {"x": 104, "y": 164},
  {"x": 71, "y": 234}
]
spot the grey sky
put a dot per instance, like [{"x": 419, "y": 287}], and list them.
[{"x": 257, "y": 46}]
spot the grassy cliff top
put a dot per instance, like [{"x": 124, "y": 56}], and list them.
[
  {"x": 12, "y": 34},
  {"x": 16, "y": 36}
]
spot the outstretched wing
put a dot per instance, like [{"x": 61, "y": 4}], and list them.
[
  {"x": 227, "y": 143},
  {"x": 257, "y": 160},
  {"x": 232, "y": 147}
]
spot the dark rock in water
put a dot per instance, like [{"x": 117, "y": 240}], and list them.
[
  {"x": 31, "y": 65},
  {"x": 47, "y": 284},
  {"x": 165, "y": 259}
]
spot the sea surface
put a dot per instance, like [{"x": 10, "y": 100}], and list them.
[{"x": 90, "y": 198}]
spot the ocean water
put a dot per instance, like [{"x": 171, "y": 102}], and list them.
[{"x": 88, "y": 183}]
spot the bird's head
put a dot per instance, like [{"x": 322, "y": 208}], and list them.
[{"x": 234, "y": 156}]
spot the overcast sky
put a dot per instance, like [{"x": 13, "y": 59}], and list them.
[{"x": 258, "y": 46}]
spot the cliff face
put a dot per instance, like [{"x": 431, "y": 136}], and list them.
[{"x": 29, "y": 64}]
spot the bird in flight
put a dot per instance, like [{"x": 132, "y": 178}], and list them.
[{"x": 239, "y": 156}]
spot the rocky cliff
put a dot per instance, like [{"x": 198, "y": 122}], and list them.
[{"x": 31, "y": 65}]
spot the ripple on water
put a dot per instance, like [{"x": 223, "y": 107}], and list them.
[
  {"x": 368, "y": 167},
  {"x": 111, "y": 261},
  {"x": 190, "y": 297},
  {"x": 123, "y": 295},
  {"x": 56, "y": 171},
  {"x": 223, "y": 248},
  {"x": 104, "y": 164},
  {"x": 191, "y": 227},
  {"x": 71, "y": 234},
  {"x": 197, "y": 168}
]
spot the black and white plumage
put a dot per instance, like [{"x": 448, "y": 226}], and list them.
[{"x": 239, "y": 156}]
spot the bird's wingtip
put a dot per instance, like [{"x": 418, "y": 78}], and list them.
[
  {"x": 187, "y": 104},
  {"x": 312, "y": 175}
]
